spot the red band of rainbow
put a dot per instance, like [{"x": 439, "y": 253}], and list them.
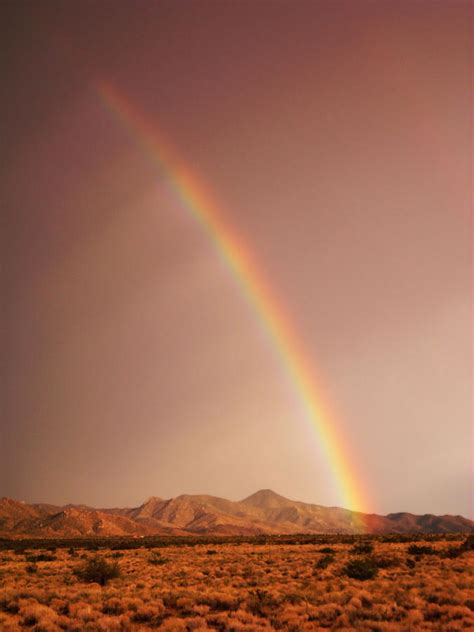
[{"x": 254, "y": 287}]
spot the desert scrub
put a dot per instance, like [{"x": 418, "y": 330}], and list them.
[
  {"x": 98, "y": 570},
  {"x": 362, "y": 548},
  {"x": 326, "y": 549},
  {"x": 261, "y": 603},
  {"x": 414, "y": 549},
  {"x": 468, "y": 544},
  {"x": 436, "y": 594},
  {"x": 156, "y": 559},
  {"x": 31, "y": 568},
  {"x": 41, "y": 557},
  {"x": 362, "y": 569},
  {"x": 324, "y": 561}
]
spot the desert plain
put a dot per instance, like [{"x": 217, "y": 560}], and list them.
[{"x": 371, "y": 583}]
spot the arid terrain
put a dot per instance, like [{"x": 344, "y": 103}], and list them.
[
  {"x": 264, "y": 512},
  {"x": 328, "y": 582}
]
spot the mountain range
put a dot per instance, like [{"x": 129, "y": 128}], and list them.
[{"x": 264, "y": 512}]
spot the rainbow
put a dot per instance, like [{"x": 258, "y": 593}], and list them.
[{"x": 238, "y": 257}]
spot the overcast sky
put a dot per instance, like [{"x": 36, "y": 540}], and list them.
[{"x": 337, "y": 138}]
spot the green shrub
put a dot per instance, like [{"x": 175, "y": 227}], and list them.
[
  {"x": 98, "y": 570},
  {"x": 364, "y": 568}
]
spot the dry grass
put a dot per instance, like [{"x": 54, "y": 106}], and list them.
[{"x": 240, "y": 587}]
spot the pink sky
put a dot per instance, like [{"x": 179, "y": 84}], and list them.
[{"x": 338, "y": 137}]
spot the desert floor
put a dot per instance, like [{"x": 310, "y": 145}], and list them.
[{"x": 243, "y": 587}]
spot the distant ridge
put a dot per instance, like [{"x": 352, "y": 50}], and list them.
[{"x": 264, "y": 512}]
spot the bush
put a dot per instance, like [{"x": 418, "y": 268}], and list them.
[
  {"x": 157, "y": 560},
  {"x": 453, "y": 552},
  {"x": 414, "y": 549},
  {"x": 98, "y": 570},
  {"x": 363, "y": 548},
  {"x": 41, "y": 557},
  {"x": 387, "y": 561},
  {"x": 468, "y": 544},
  {"x": 147, "y": 615},
  {"x": 325, "y": 561},
  {"x": 362, "y": 569},
  {"x": 326, "y": 549},
  {"x": 260, "y": 603}
]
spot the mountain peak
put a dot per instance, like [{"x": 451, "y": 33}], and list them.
[
  {"x": 150, "y": 505},
  {"x": 153, "y": 499},
  {"x": 266, "y": 498}
]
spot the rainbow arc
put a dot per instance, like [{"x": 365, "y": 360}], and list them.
[{"x": 198, "y": 200}]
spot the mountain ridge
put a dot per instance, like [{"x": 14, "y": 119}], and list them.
[{"x": 264, "y": 512}]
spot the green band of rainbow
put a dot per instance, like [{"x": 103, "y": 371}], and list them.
[{"x": 241, "y": 262}]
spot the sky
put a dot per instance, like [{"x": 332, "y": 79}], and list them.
[{"x": 336, "y": 138}]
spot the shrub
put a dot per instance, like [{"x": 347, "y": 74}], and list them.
[
  {"x": 362, "y": 569},
  {"x": 29, "y": 620},
  {"x": 326, "y": 549},
  {"x": 113, "y": 606},
  {"x": 98, "y": 570},
  {"x": 31, "y": 568},
  {"x": 221, "y": 603},
  {"x": 468, "y": 544},
  {"x": 414, "y": 549},
  {"x": 324, "y": 561},
  {"x": 453, "y": 552},
  {"x": 387, "y": 561},
  {"x": 147, "y": 614},
  {"x": 362, "y": 548},
  {"x": 260, "y": 602},
  {"x": 10, "y": 606},
  {"x": 41, "y": 557},
  {"x": 157, "y": 560}
]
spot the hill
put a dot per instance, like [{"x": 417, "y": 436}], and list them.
[{"x": 264, "y": 512}]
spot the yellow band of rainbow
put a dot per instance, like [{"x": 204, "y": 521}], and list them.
[{"x": 199, "y": 202}]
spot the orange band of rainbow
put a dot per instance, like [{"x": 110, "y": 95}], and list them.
[{"x": 238, "y": 257}]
